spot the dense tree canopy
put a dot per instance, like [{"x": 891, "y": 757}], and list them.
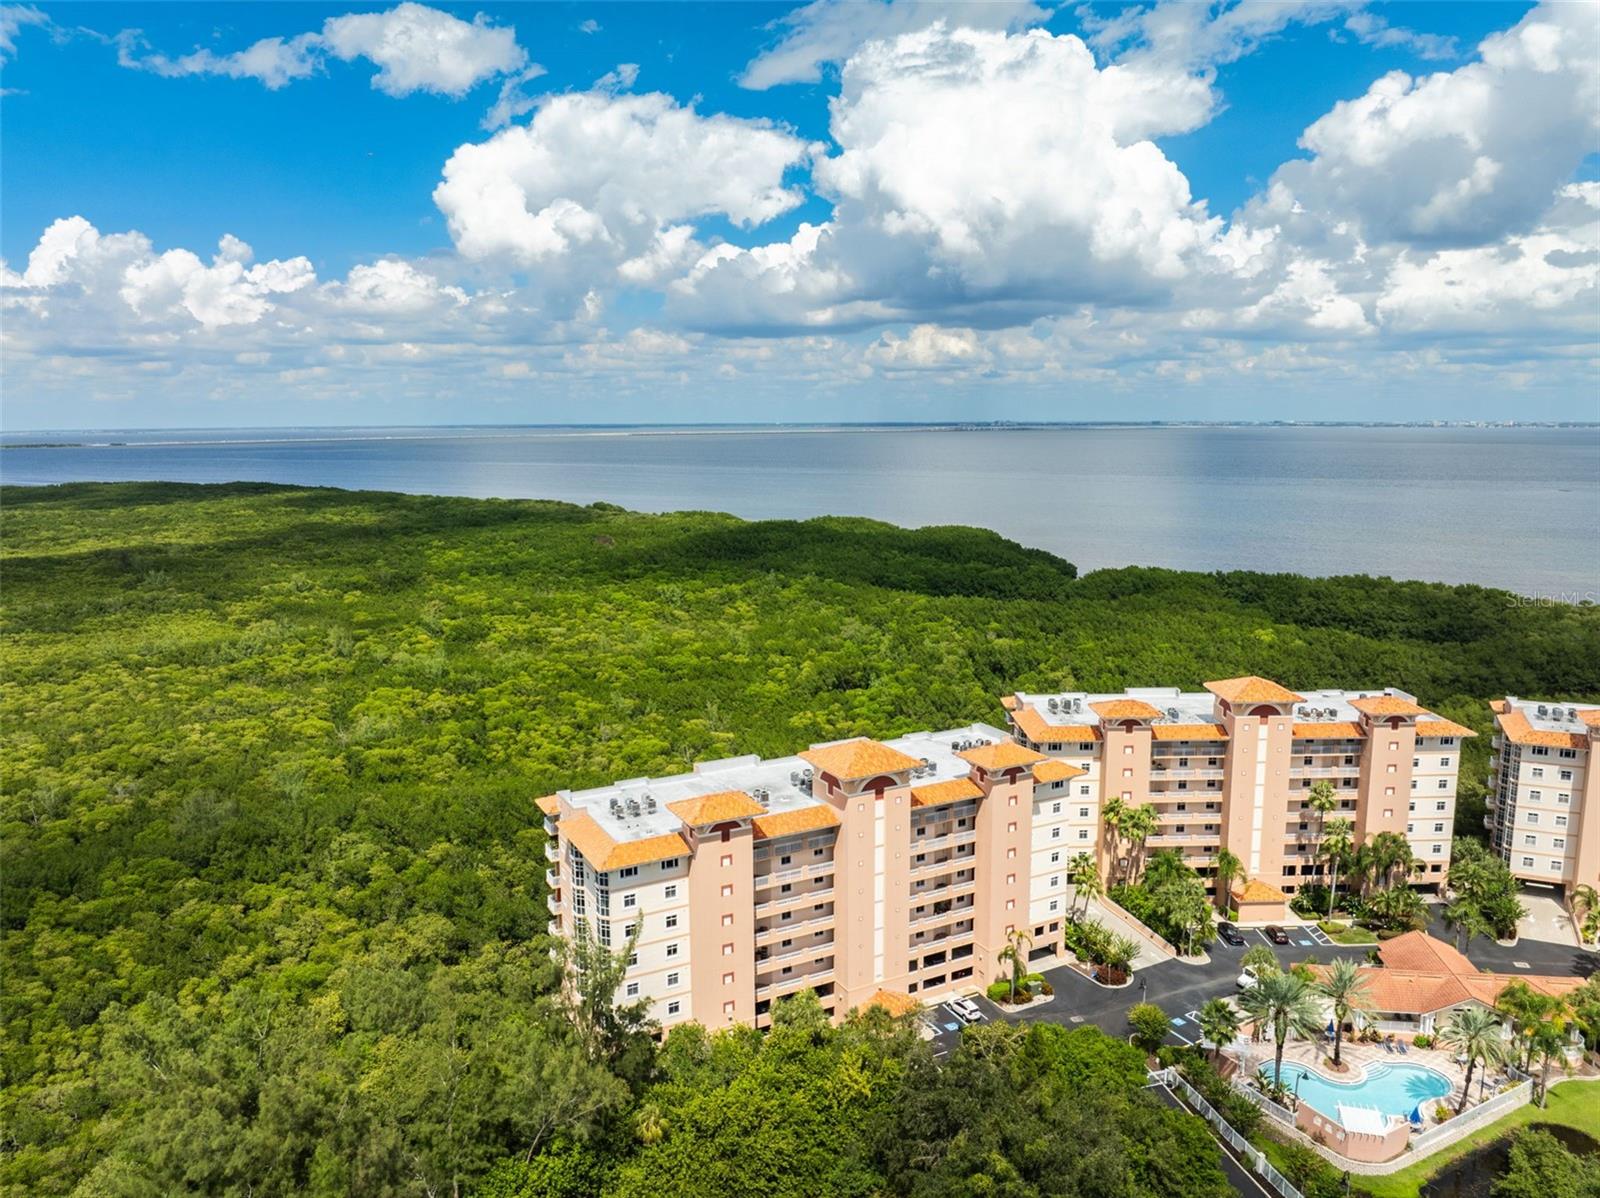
[{"x": 273, "y": 881}]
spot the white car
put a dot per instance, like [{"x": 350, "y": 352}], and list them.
[
  {"x": 1247, "y": 978},
  {"x": 965, "y": 1010}
]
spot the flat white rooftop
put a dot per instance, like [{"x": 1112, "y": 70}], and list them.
[
  {"x": 1550, "y": 717},
  {"x": 637, "y": 808}
]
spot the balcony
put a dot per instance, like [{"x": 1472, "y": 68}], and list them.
[
  {"x": 794, "y": 982},
  {"x": 789, "y": 900},
  {"x": 552, "y": 879},
  {"x": 932, "y": 869},
  {"x": 933, "y": 919},
  {"x": 768, "y": 933},
  {"x": 552, "y": 851},
  {"x": 797, "y": 952},
  {"x": 1180, "y": 838},
  {"x": 1159, "y": 773},
  {"x": 1324, "y": 771},
  {"x": 550, "y": 825},
  {"x": 555, "y": 904}
]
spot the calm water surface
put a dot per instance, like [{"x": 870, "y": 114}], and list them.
[{"x": 1512, "y": 508}]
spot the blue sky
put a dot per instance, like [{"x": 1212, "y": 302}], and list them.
[{"x": 736, "y": 211}]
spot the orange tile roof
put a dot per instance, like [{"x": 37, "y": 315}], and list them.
[
  {"x": 801, "y": 819},
  {"x": 1443, "y": 728},
  {"x": 892, "y": 1001},
  {"x": 1189, "y": 732},
  {"x": 1125, "y": 709},
  {"x": 1337, "y": 730},
  {"x": 1258, "y": 892},
  {"x": 1498, "y": 706},
  {"x": 1056, "y": 770},
  {"x": 1421, "y": 953},
  {"x": 937, "y": 794},
  {"x": 852, "y": 760},
  {"x": 1421, "y": 975},
  {"x": 714, "y": 808},
  {"x": 606, "y": 854},
  {"x": 1039, "y": 730},
  {"x": 1252, "y": 689},
  {"x": 1518, "y": 731},
  {"x": 1388, "y": 705},
  {"x": 1010, "y": 702},
  {"x": 1002, "y": 755},
  {"x": 549, "y": 804},
  {"x": 1590, "y": 717}
]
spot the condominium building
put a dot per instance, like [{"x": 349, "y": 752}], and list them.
[
  {"x": 1231, "y": 767},
  {"x": 872, "y": 870},
  {"x": 1544, "y": 798}
]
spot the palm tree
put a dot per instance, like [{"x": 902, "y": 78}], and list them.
[
  {"x": 1465, "y": 919},
  {"x": 1549, "y": 1044},
  {"x": 650, "y": 1124},
  {"x": 1229, "y": 868},
  {"x": 1346, "y": 991},
  {"x": 1401, "y": 908},
  {"x": 1527, "y": 1009},
  {"x": 1286, "y": 1003},
  {"x": 1219, "y": 1023},
  {"x": 1137, "y": 825},
  {"x": 1112, "y": 813},
  {"x": 1335, "y": 845},
  {"x": 1585, "y": 903},
  {"x": 1165, "y": 865},
  {"x": 1120, "y": 952},
  {"x": 1322, "y": 799},
  {"x": 1391, "y": 852},
  {"x": 1475, "y": 1032},
  {"x": 1016, "y": 956},
  {"x": 1085, "y": 881}
]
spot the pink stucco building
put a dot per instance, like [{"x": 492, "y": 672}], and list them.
[{"x": 863, "y": 867}]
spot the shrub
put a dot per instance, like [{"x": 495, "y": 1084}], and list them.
[
  {"x": 1422, "y": 1040},
  {"x": 999, "y": 992},
  {"x": 1332, "y": 926},
  {"x": 1308, "y": 1171},
  {"x": 1149, "y": 1024}
]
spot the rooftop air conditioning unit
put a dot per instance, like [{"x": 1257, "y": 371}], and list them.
[
  {"x": 1172, "y": 714},
  {"x": 955, "y": 746},
  {"x": 649, "y": 803},
  {"x": 794, "y": 777},
  {"x": 1543, "y": 710},
  {"x": 1053, "y": 705},
  {"x": 633, "y": 808}
]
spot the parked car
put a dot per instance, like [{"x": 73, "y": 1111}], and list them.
[
  {"x": 1230, "y": 934},
  {"x": 1276, "y": 934},
  {"x": 965, "y": 1010},
  {"x": 1247, "y": 978}
]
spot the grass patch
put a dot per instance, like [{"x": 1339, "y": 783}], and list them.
[
  {"x": 1574, "y": 1104},
  {"x": 1353, "y": 936}
]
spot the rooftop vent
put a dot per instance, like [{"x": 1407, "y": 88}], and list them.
[
  {"x": 633, "y": 808},
  {"x": 1172, "y": 714},
  {"x": 649, "y": 802},
  {"x": 794, "y": 777}
]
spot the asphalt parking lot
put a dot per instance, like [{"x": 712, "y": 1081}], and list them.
[{"x": 1181, "y": 989}]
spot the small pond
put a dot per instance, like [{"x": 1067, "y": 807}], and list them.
[{"x": 1474, "y": 1174}]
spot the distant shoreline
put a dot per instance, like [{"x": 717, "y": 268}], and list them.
[{"x": 309, "y": 434}]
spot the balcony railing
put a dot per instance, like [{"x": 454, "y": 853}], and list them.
[
  {"x": 552, "y": 878},
  {"x": 779, "y": 930},
  {"x": 1324, "y": 771},
  {"x": 552, "y": 851},
  {"x": 799, "y": 981},
  {"x": 1159, "y": 773},
  {"x": 935, "y": 918},
  {"x": 556, "y": 905},
  {"x": 799, "y": 896}
]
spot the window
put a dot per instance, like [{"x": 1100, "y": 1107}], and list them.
[
  {"x": 671, "y": 892},
  {"x": 727, "y": 860},
  {"x": 633, "y": 990},
  {"x": 670, "y": 863},
  {"x": 1083, "y": 790},
  {"x": 1527, "y": 862},
  {"x": 1055, "y": 808},
  {"x": 727, "y": 950},
  {"x": 1055, "y": 858},
  {"x": 1560, "y": 842},
  {"x": 1444, "y": 783},
  {"x": 633, "y": 958},
  {"x": 1441, "y": 805},
  {"x": 1083, "y": 813},
  {"x": 1561, "y": 821},
  {"x": 1444, "y": 763},
  {"x": 628, "y": 871},
  {"x": 672, "y": 950},
  {"x": 1437, "y": 829},
  {"x": 785, "y": 859},
  {"x": 1566, "y": 775},
  {"x": 727, "y": 979},
  {"x": 1530, "y": 841},
  {"x": 1055, "y": 880},
  {"x": 674, "y": 1007},
  {"x": 630, "y": 900},
  {"x": 1533, "y": 817},
  {"x": 1055, "y": 833},
  {"x": 672, "y": 979},
  {"x": 672, "y": 921},
  {"x": 1055, "y": 904},
  {"x": 1556, "y": 865},
  {"x": 727, "y": 889},
  {"x": 1437, "y": 849},
  {"x": 1083, "y": 833}
]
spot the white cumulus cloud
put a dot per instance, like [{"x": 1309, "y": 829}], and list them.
[{"x": 416, "y": 48}]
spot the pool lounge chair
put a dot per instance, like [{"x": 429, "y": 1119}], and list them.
[
  {"x": 1401, "y": 1045},
  {"x": 1388, "y": 1048}
]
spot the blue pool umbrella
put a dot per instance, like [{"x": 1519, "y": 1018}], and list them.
[
  {"x": 1416, "y": 1113},
  {"x": 1330, "y": 1027}
]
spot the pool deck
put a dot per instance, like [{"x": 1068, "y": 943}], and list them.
[{"x": 1360, "y": 1057}]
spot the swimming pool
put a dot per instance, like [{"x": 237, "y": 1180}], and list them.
[{"x": 1393, "y": 1089}]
